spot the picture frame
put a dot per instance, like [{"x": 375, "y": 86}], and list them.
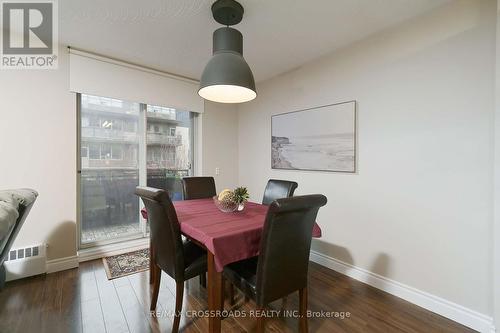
[{"x": 322, "y": 138}]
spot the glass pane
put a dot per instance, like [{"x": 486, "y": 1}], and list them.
[
  {"x": 169, "y": 151},
  {"x": 110, "y": 169}
]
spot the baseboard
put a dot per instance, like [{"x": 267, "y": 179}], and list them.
[
  {"x": 445, "y": 308},
  {"x": 112, "y": 249},
  {"x": 62, "y": 264}
]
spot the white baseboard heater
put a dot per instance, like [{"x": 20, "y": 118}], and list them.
[{"x": 26, "y": 261}]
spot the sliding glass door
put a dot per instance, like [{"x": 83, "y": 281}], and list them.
[
  {"x": 169, "y": 138},
  {"x": 123, "y": 145}
]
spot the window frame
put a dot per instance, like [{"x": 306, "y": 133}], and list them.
[{"x": 193, "y": 167}]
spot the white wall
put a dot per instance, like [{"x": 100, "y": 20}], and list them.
[
  {"x": 220, "y": 144},
  {"x": 496, "y": 233},
  {"x": 419, "y": 209},
  {"x": 38, "y": 150}
]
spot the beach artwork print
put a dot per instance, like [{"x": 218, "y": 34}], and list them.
[{"x": 321, "y": 139}]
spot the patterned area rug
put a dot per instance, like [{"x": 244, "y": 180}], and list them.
[{"x": 126, "y": 264}]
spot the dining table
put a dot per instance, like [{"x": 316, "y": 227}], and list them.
[{"x": 227, "y": 238}]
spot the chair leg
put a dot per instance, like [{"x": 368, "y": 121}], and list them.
[
  {"x": 152, "y": 263},
  {"x": 179, "y": 294},
  {"x": 303, "y": 310},
  {"x": 284, "y": 302},
  {"x": 156, "y": 286},
  {"x": 3, "y": 275},
  {"x": 222, "y": 297},
  {"x": 231, "y": 293},
  {"x": 203, "y": 280},
  {"x": 260, "y": 320}
]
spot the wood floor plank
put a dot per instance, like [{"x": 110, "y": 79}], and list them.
[
  {"x": 71, "y": 310},
  {"x": 199, "y": 302},
  {"x": 84, "y": 300},
  {"x": 51, "y": 303},
  {"x": 92, "y": 316},
  {"x": 88, "y": 285},
  {"x": 142, "y": 290},
  {"x": 114, "y": 319},
  {"x": 19, "y": 299},
  {"x": 134, "y": 314},
  {"x": 167, "y": 301}
]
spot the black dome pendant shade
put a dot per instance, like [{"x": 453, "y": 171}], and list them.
[{"x": 227, "y": 78}]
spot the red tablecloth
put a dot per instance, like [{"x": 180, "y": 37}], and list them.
[{"x": 230, "y": 237}]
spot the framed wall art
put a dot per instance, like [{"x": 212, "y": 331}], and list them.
[{"x": 318, "y": 139}]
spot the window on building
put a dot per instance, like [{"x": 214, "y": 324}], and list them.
[
  {"x": 84, "y": 152},
  {"x": 85, "y": 122},
  {"x": 94, "y": 151},
  {"x": 117, "y": 152},
  {"x": 93, "y": 121},
  {"x": 117, "y": 125},
  {"x": 130, "y": 126},
  {"x": 105, "y": 152},
  {"x": 106, "y": 123}
]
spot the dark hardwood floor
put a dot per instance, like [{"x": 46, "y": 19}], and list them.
[{"x": 84, "y": 300}]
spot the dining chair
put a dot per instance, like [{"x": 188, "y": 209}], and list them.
[
  {"x": 282, "y": 264},
  {"x": 277, "y": 189},
  {"x": 198, "y": 187},
  {"x": 180, "y": 259}
]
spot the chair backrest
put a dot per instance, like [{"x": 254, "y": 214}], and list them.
[
  {"x": 285, "y": 246},
  {"x": 198, "y": 187},
  {"x": 278, "y": 189},
  {"x": 164, "y": 231}
]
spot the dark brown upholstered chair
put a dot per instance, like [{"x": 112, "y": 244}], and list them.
[
  {"x": 182, "y": 260},
  {"x": 281, "y": 267},
  {"x": 198, "y": 187},
  {"x": 277, "y": 189}
]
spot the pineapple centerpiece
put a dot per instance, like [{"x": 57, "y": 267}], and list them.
[
  {"x": 226, "y": 201},
  {"x": 242, "y": 196},
  {"x": 229, "y": 201}
]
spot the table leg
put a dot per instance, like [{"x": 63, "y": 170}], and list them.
[{"x": 214, "y": 295}]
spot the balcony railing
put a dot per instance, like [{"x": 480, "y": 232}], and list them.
[
  {"x": 109, "y": 134},
  {"x": 163, "y": 139},
  {"x": 108, "y": 198},
  {"x": 103, "y": 133},
  {"x": 161, "y": 115},
  {"x": 91, "y": 108}
]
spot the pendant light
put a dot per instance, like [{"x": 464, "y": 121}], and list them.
[{"x": 227, "y": 78}]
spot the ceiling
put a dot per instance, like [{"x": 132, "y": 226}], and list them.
[{"x": 176, "y": 35}]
